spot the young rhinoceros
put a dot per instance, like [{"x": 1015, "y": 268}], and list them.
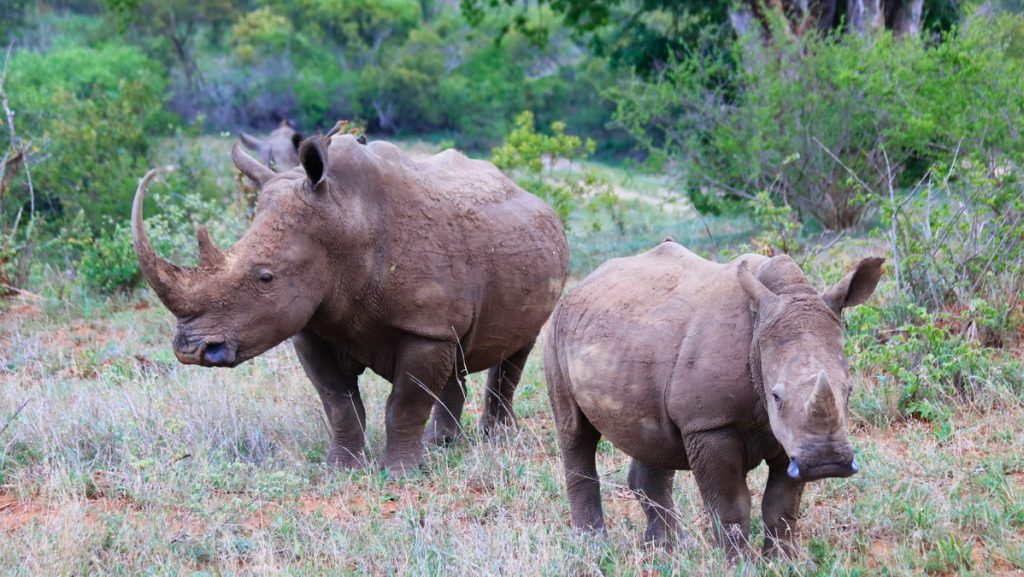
[
  {"x": 418, "y": 270},
  {"x": 684, "y": 363}
]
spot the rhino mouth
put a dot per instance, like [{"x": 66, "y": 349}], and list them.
[{"x": 837, "y": 469}]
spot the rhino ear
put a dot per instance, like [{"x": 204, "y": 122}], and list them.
[
  {"x": 313, "y": 156},
  {"x": 297, "y": 139},
  {"x": 761, "y": 295},
  {"x": 856, "y": 286},
  {"x": 251, "y": 142}
]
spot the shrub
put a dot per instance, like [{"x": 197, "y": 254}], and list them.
[
  {"x": 532, "y": 157},
  {"x": 108, "y": 263},
  {"x": 928, "y": 363},
  {"x": 831, "y": 122},
  {"x": 89, "y": 114}
]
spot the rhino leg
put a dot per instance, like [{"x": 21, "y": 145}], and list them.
[
  {"x": 502, "y": 380},
  {"x": 444, "y": 424},
  {"x": 577, "y": 439},
  {"x": 717, "y": 460},
  {"x": 652, "y": 487},
  {"x": 336, "y": 379},
  {"x": 780, "y": 510},
  {"x": 422, "y": 369}
]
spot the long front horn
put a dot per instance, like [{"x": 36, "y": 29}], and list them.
[
  {"x": 250, "y": 166},
  {"x": 165, "y": 278}
]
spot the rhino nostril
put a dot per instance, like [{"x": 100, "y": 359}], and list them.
[{"x": 216, "y": 353}]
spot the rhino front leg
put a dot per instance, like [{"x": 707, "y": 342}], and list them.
[
  {"x": 336, "y": 378},
  {"x": 444, "y": 424},
  {"x": 422, "y": 368},
  {"x": 502, "y": 381},
  {"x": 780, "y": 509},
  {"x": 717, "y": 459}
]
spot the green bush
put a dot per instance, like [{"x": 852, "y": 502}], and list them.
[
  {"x": 531, "y": 157},
  {"x": 831, "y": 122},
  {"x": 89, "y": 114},
  {"x": 108, "y": 263},
  {"x": 929, "y": 364}
]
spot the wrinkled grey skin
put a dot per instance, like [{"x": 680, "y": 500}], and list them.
[
  {"x": 686, "y": 364},
  {"x": 279, "y": 151},
  {"x": 421, "y": 271}
]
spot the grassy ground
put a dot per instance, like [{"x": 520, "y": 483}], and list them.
[
  {"x": 114, "y": 459},
  {"x": 122, "y": 462}
]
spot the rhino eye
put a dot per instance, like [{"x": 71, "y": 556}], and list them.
[{"x": 266, "y": 277}]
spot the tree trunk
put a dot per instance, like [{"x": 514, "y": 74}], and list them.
[
  {"x": 904, "y": 17},
  {"x": 865, "y": 16}
]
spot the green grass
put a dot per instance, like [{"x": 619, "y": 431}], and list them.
[{"x": 123, "y": 462}]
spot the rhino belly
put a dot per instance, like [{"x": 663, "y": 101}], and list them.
[{"x": 623, "y": 397}]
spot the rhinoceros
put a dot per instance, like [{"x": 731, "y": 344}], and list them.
[
  {"x": 421, "y": 271},
  {"x": 687, "y": 364},
  {"x": 279, "y": 150}
]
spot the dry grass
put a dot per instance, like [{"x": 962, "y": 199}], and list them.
[{"x": 123, "y": 462}]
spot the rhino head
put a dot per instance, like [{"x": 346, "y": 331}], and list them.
[
  {"x": 279, "y": 151},
  {"x": 238, "y": 303},
  {"x": 798, "y": 349}
]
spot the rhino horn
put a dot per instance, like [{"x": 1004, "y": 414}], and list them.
[
  {"x": 249, "y": 166},
  {"x": 755, "y": 289},
  {"x": 209, "y": 255},
  {"x": 823, "y": 400},
  {"x": 167, "y": 279}
]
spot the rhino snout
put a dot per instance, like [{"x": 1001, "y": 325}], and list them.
[
  {"x": 823, "y": 462},
  {"x": 207, "y": 352}
]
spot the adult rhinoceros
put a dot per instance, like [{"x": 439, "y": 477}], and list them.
[
  {"x": 684, "y": 363},
  {"x": 418, "y": 270}
]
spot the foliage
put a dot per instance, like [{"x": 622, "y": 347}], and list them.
[
  {"x": 177, "y": 22},
  {"x": 532, "y": 157},
  {"x": 930, "y": 363},
  {"x": 108, "y": 262},
  {"x": 959, "y": 236},
  {"x": 780, "y": 227},
  {"x": 87, "y": 113},
  {"x": 832, "y": 123}
]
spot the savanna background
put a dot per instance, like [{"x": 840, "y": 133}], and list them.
[{"x": 829, "y": 130}]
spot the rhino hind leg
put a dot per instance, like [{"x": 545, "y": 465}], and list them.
[
  {"x": 336, "y": 380},
  {"x": 577, "y": 440},
  {"x": 717, "y": 460},
  {"x": 652, "y": 487},
  {"x": 444, "y": 426},
  {"x": 502, "y": 380},
  {"x": 780, "y": 510}
]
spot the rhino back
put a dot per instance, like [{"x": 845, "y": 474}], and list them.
[
  {"x": 655, "y": 347},
  {"x": 464, "y": 253}
]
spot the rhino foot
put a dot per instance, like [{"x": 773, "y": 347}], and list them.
[
  {"x": 438, "y": 435},
  {"x": 341, "y": 458},
  {"x": 400, "y": 467}
]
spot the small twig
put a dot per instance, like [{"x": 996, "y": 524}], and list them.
[{"x": 13, "y": 416}]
